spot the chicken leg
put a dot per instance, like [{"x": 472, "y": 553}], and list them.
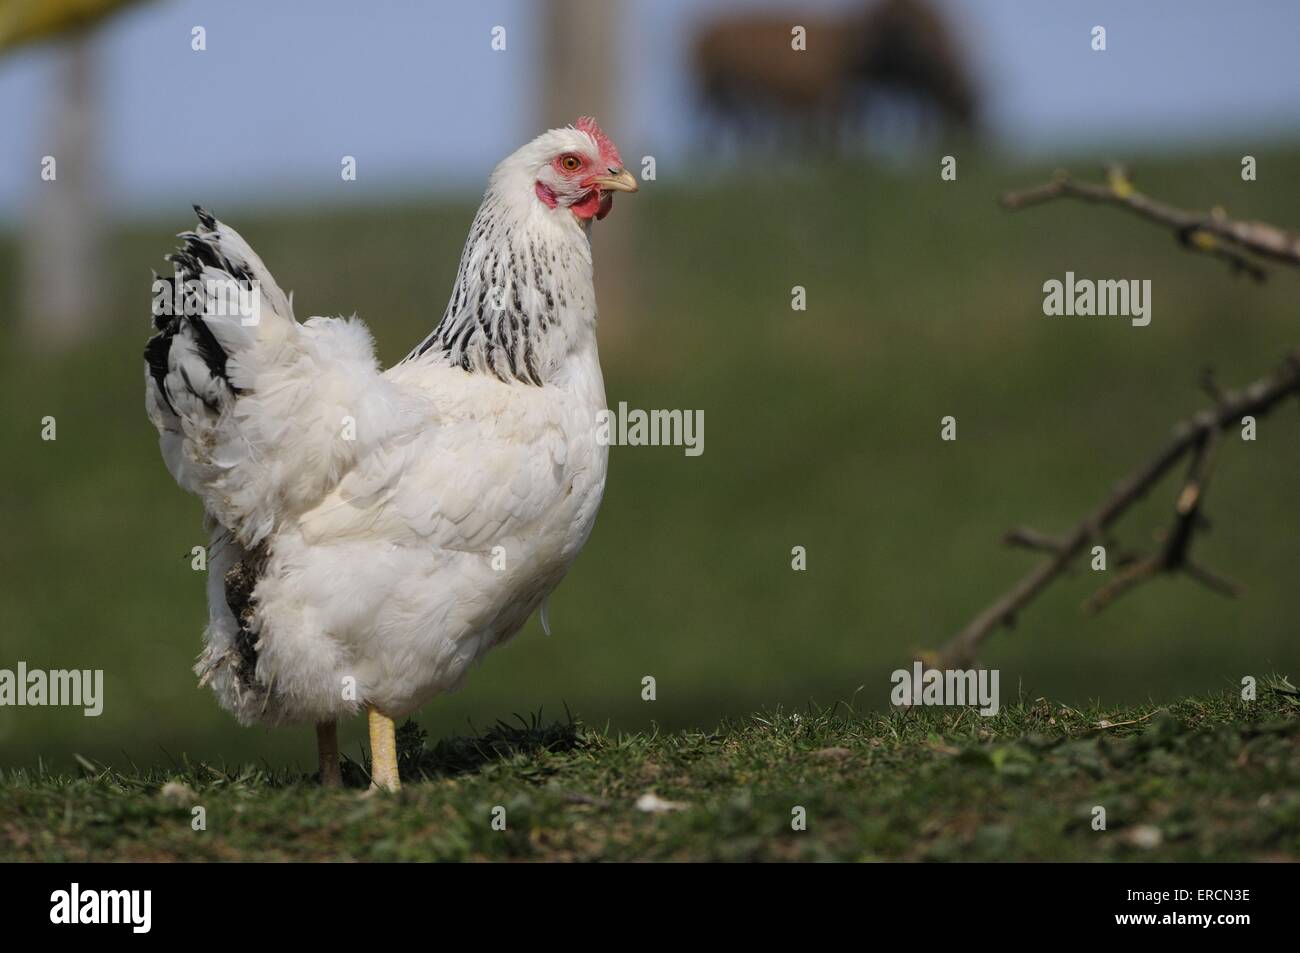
[
  {"x": 327, "y": 748},
  {"x": 383, "y": 751}
]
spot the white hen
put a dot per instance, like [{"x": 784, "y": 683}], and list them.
[{"x": 374, "y": 533}]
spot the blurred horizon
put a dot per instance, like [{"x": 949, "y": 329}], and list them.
[{"x": 263, "y": 116}]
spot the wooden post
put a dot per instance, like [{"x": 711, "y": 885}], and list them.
[
  {"x": 580, "y": 77},
  {"x": 63, "y": 281}
]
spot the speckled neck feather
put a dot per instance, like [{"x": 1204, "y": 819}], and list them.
[
  {"x": 486, "y": 327},
  {"x": 519, "y": 292},
  {"x": 523, "y": 303}
]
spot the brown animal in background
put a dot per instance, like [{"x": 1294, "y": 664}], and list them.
[
  {"x": 747, "y": 71},
  {"x": 906, "y": 44}
]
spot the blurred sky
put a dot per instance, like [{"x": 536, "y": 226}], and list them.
[{"x": 285, "y": 89}]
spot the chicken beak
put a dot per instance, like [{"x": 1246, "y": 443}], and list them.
[{"x": 621, "y": 181}]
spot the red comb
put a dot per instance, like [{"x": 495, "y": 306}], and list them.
[{"x": 608, "y": 151}]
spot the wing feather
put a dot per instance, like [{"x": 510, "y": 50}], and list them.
[{"x": 257, "y": 414}]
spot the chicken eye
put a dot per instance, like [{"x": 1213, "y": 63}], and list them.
[{"x": 570, "y": 163}]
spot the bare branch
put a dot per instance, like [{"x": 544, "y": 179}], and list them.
[
  {"x": 1195, "y": 436},
  {"x": 1210, "y": 384},
  {"x": 1220, "y": 584},
  {"x": 1030, "y": 538},
  {"x": 1174, "y": 555},
  {"x": 1212, "y": 233},
  {"x": 1137, "y": 573}
]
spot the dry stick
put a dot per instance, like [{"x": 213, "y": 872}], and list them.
[
  {"x": 1213, "y": 233},
  {"x": 1173, "y": 555},
  {"x": 1256, "y": 400},
  {"x": 1030, "y": 538},
  {"x": 1121, "y": 724}
]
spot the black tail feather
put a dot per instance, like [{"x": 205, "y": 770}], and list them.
[{"x": 198, "y": 252}]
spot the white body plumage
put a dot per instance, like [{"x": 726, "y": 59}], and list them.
[{"x": 375, "y": 533}]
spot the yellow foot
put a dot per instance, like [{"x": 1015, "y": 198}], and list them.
[
  {"x": 383, "y": 751},
  {"x": 327, "y": 747}
]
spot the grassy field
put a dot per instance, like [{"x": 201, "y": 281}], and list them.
[
  {"x": 1204, "y": 778},
  {"x": 924, "y": 300}
]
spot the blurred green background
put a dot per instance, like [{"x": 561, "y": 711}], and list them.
[
  {"x": 821, "y": 426},
  {"x": 822, "y": 430}
]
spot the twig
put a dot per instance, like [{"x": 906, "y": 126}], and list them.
[
  {"x": 1173, "y": 555},
  {"x": 1194, "y": 436},
  {"x": 1212, "y": 233},
  {"x": 1030, "y": 538},
  {"x": 1210, "y": 384},
  {"x": 1104, "y": 725}
]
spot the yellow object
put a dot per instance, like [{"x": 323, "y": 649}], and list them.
[
  {"x": 28, "y": 21},
  {"x": 383, "y": 751}
]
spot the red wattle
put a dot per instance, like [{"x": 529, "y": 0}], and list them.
[{"x": 587, "y": 206}]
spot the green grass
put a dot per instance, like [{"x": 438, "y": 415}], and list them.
[
  {"x": 821, "y": 430},
  {"x": 1204, "y": 778}
]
